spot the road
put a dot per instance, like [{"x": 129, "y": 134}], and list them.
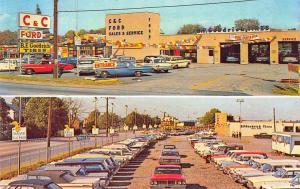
[
  {"x": 199, "y": 175},
  {"x": 200, "y": 79}
]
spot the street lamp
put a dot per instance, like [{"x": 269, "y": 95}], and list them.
[{"x": 240, "y": 101}]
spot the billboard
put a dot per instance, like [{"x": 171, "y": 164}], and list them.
[
  {"x": 35, "y": 47},
  {"x": 28, "y": 34},
  {"x": 34, "y": 20}
]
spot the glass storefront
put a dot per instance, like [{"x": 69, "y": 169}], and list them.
[
  {"x": 259, "y": 53},
  {"x": 230, "y": 53},
  {"x": 289, "y": 52}
]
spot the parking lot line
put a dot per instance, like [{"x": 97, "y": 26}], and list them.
[{"x": 208, "y": 82}]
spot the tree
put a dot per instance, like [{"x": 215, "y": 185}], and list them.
[
  {"x": 82, "y": 32},
  {"x": 101, "y": 31},
  {"x": 217, "y": 28},
  {"x": 190, "y": 29},
  {"x": 247, "y": 24},
  {"x": 36, "y": 116},
  {"x": 8, "y": 37},
  {"x": 5, "y": 120},
  {"x": 141, "y": 119},
  {"x": 70, "y": 34},
  {"x": 209, "y": 117}
]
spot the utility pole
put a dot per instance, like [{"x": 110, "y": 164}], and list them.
[
  {"x": 49, "y": 130},
  {"x": 240, "y": 101},
  {"x": 107, "y": 117},
  {"x": 95, "y": 101},
  {"x": 274, "y": 120},
  {"x": 19, "y": 145},
  {"x": 70, "y": 114},
  {"x": 55, "y": 33}
]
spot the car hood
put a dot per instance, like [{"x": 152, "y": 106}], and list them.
[
  {"x": 169, "y": 157},
  {"x": 280, "y": 185},
  {"x": 100, "y": 175},
  {"x": 263, "y": 179},
  {"x": 85, "y": 180},
  {"x": 167, "y": 177}
]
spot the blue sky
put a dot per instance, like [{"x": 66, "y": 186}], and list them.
[
  {"x": 276, "y": 13},
  {"x": 184, "y": 107}
]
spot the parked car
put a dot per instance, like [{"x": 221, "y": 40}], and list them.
[
  {"x": 69, "y": 60},
  {"x": 32, "y": 184},
  {"x": 281, "y": 175},
  {"x": 169, "y": 146},
  {"x": 122, "y": 66},
  {"x": 82, "y": 137},
  {"x": 65, "y": 179},
  {"x": 177, "y": 61},
  {"x": 262, "y": 135},
  {"x": 85, "y": 65},
  {"x": 293, "y": 183},
  {"x": 8, "y": 65},
  {"x": 169, "y": 157},
  {"x": 45, "y": 66},
  {"x": 168, "y": 176},
  {"x": 158, "y": 63}
]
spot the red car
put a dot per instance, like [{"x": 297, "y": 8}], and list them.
[
  {"x": 45, "y": 66},
  {"x": 168, "y": 176}
]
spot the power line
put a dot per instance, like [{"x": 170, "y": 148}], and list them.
[{"x": 157, "y": 7}]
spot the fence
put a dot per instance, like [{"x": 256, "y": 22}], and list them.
[{"x": 9, "y": 164}]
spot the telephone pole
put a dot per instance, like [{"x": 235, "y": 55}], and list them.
[
  {"x": 107, "y": 112},
  {"x": 49, "y": 130},
  {"x": 274, "y": 120},
  {"x": 95, "y": 101},
  {"x": 19, "y": 145},
  {"x": 55, "y": 33}
]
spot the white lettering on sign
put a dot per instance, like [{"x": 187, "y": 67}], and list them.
[
  {"x": 27, "y": 34},
  {"x": 34, "y": 20},
  {"x": 69, "y": 132}
]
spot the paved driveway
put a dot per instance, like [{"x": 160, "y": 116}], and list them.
[{"x": 200, "y": 79}]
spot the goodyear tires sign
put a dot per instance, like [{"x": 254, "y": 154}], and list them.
[{"x": 35, "y": 47}]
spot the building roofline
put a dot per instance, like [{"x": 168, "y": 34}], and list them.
[{"x": 146, "y": 12}]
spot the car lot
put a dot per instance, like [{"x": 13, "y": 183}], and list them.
[{"x": 199, "y": 79}]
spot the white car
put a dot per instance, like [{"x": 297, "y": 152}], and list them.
[
  {"x": 294, "y": 183},
  {"x": 158, "y": 63},
  {"x": 8, "y": 65},
  {"x": 281, "y": 175},
  {"x": 177, "y": 61}
]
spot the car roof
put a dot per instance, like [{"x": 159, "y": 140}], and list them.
[
  {"x": 292, "y": 169},
  {"x": 39, "y": 182},
  {"x": 250, "y": 152},
  {"x": 168, "y": 166}
]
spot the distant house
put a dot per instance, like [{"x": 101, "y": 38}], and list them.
[{"x": 13, "y": 112}]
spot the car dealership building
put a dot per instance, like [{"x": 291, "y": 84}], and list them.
[{"x": 138, "y": 35}]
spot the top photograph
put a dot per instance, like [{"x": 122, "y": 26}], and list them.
[{"x": 134, "y": 47}]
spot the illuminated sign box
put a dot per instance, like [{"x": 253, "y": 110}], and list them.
[
  {"x": 35, "y": 47},
  {"x": 28, "y": 34},
  {"x": 34, "y": 20}
]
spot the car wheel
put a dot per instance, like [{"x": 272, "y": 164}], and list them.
[
  {"x": 175, "y": 67},
  {"x": 104, "y": 74},
  {"x": 138, "y": 74},
  {"x": 166, "y": 71},
  {"x": 29, "y": 72},
  {"x": 188, "y": 65},
  {"x": 79, "y": 74}
]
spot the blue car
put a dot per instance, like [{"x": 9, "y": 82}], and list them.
[{"x": 122, "y": 66}]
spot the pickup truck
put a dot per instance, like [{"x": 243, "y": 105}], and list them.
[
  {"x": 177, "y": 61},
  {"x": 45, "y": 66},
  {"x": 122, "y": 66},
  {"x": 168, "y": 176}
]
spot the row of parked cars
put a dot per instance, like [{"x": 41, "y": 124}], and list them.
[
  {"x": 101, "y": 67},
  {"x": 169, "y": 173},
  {"x": 253, "y": 169},
  {"x": 93, "y": 169}
]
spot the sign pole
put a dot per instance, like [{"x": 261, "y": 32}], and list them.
[
  {"x": 19, "y": 145},
  {"x": 55, "y": 24}
]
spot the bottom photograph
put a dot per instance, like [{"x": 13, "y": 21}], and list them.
[{"x": 149, "y": 142}]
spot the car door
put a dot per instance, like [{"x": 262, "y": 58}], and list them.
[{"x": 122, "y": 69}]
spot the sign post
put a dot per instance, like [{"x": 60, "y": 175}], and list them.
[
  {"x": 126, "y": 128},
  {"x": 134, "y": 129},
  {"x": 95, "y": 132},
  {"x": 295, "y": 69},
  {"x": 68, "y": 133}
]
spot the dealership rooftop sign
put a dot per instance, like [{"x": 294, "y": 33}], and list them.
[{"x": 34, "y": 21}]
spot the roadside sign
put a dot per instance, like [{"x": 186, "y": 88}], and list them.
[
  {"x": 29, "y": 34},
  {"x": 34, "y": 20},
  {"x": 112, "y": 131},
  {"x": 144, "y": 126},
  {"x": 150, "y": 126},
  {"x": 19, "y": 133},
  {"x": 110, "y": 64},
  {"x": 155, "y": 126},
  {"x": 95, "y": 131},
  {"x": 293, "y": 68},
  {"x": 135, "y": 127},
  {"x": 68, "y": 132},
  {"x": 77, "y": 41},
  {"x": 35, "y": 47},
  {"x": 126, "y": 128}
]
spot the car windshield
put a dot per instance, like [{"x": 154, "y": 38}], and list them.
[
  {"x": 67, "y": 177},
  {"x": 167, "y": 170},
  {"x": 53, "y": 186},
  {"x": 169, "y": 147},
  {"x": 170, "y": 153},
  {"x": 279, "y": 173},
  {"x": 82, "y": 172}
]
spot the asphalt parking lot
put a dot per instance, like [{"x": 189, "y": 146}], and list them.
[
  {"x": 138, "y": 172},
  {"x": 199, "y": 79}
]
